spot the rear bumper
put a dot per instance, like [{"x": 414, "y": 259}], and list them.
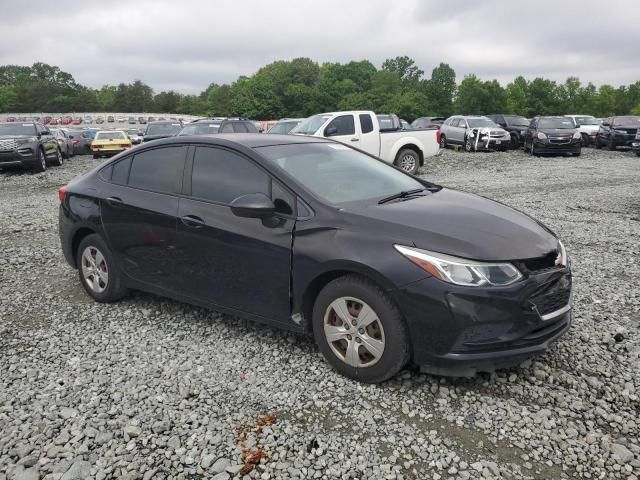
[{"x": 459, "y": 331}]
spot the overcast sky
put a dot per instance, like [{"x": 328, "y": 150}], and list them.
[{"x": 185, "y": 45}]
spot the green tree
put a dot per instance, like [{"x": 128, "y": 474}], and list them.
[
  {"x": 441, "y": 89},
  {"x": 7, "y": 98},
  {"x": 517, "y": 94},
  {"x": 166, "y": 102},
  {"x": 406, "y": 69}
]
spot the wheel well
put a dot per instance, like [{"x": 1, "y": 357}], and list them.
[
  {"x": 413, "y": 147},
  {"x": 318, "y": 283},
  {"x": 77, "y": 238}
]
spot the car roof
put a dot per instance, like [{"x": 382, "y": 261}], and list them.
[
  {"x": 159, "y": 122},
  {"x": 250, "y": 140}
]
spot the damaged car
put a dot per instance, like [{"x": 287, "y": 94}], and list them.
[
  {"x": 474, "y": 133},
  {"x": 314, "y": 236}
]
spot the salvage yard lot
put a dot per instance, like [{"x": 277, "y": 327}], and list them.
[{"x": 151, "y": 388}]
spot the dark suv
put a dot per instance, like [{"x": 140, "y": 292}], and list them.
[
  {"x": 516, "y": 125},
  {"x": 29, "y": 145},
  {"x": 617, "y": 132},
  {"x": 552, "y": 135},
  {"x": 161, "y": 129},
  {"x": 209, "y": 127}
]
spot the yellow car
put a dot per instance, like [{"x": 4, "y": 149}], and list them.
[{"x": 109, "y": 142}]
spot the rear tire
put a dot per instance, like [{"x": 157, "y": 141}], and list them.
[
  {"x": 58, "y": 160},
  {"x": 371, "y": 344},
  {"x": 443, "y": 141},
  {"x": 408, "y": 160},
  {"x": 596, "y": 143},
  {"x": 99, "y": 274},
  {"x": 585, "y": 140}
]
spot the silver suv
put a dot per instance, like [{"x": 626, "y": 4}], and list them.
[{"x": 474, "y": 133}]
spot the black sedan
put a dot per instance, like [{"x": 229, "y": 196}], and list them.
[
  {"x": 161, "y": 129},
  {"x": 617, "y": 132},
  {"x": 314, "y": 236},
  {"x": 553, "y": 135}
]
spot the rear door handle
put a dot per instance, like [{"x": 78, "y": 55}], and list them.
[
  {"x": 114, "y": 201},
  {"x": 192, "y": 221},
  {"x": 355, "y": 139}
]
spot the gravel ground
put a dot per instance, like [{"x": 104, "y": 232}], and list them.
[{"x": 151, "y": 388}]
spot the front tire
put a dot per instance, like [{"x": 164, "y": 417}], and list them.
[
  {"x": 41, "y": 161},
  {"x": 468, "y": 144},
  {"x": 585, "y": 140},
  {"x": 359, "y": 330},
  {"x": 408, "y": 160},
  {"x": 611, "y": 146},
  {"x": 99, "y": 275}
]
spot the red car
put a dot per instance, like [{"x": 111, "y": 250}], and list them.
[
  {"x": 53, "y": 121},
  {"x": 11, "y": 119},
  {"x": 66, "y": 120},
  {"x": 46, "y": 120},
  {"x": 77, "y": 121}
]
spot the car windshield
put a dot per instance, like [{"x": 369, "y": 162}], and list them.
[
  {"x": 338, "y": 174},
  {"x": 117, "y": 135},
  {"x": 17, "y": 129},
  {"x": 311, "y": 124},
  {"x": 132, "y": 132},
  {"x": 200, "y": 129},
  {"x": 555, "y": 123},
  {"x": 630, "y": 121},
  {"x": 480, "y": 123},
  {"x": 586, "y": 121},
  {"x": 163, "y": 129},
  {"x": 283, "y": 127},
  {"x": 517, "y": 121}
]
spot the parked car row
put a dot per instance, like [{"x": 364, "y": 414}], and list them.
[
  {"x": 541, "y": 135},
  {"x": 88, "y": 119}
]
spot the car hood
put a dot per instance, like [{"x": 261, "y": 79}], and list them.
[
  {"x": 6, "y": 137},
  {"x": 460, "y": 224},
  {"x": 589, "y": 128}
]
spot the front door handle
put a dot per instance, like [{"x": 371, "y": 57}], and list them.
[
  {"x": 192, "y": 221},
  {"x": 355, "y": 139},
  {"x": 114, "y": 201}
]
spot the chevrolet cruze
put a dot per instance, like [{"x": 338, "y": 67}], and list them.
[{"x": 307, "y": 234}]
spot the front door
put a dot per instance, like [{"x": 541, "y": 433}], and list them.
[
  {"x": 234, "y": 262},
  {"x": 343, "y": 129}
]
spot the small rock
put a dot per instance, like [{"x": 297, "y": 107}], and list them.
[{"x": 79, "y": 470}]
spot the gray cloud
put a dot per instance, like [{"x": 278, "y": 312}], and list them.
[{"x": 187, "y": 45}]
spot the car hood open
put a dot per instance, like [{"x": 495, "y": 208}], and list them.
[{"x": 460, "y": 224}]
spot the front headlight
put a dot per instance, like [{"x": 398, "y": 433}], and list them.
[
  {"x": 563, "y": 256},
  {"x": 577, "y": 136},
  {"x": 621, "y": 132},
  {"x": 22, "y": 141},
  {"x": 461, "y": 271},
  {"x": 541, "y": 136}
]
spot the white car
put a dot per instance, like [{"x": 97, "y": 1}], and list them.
[
  {"x": 588, "y": 127},
  {"x": 474, "y": 133},
  {"x": 405, "y": 149}
]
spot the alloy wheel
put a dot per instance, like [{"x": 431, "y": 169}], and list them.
[
  {"x": 408, "y": 162},
  {"x": 94, "y": 269},
  {"x": 354, "y": 332}
]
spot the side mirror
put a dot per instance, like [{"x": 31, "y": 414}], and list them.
[
  {"x": 253, "y": 205},
  {"x": 330, "y": 131},
  {"x": 606, "y": 124}
]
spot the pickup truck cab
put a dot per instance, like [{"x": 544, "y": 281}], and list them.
[
  {"x": 588, "y": 127},
  {"x": 361, "y": 129}
]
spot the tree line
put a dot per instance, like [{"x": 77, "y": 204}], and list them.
[{"x": 302, "y": 87}]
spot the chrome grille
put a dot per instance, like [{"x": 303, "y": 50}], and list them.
[
  {"x": 6, "y": 145},
  {"x": 560, "y": 140}
]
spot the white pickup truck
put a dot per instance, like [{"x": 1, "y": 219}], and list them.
[{"x": 406, "y": 149}]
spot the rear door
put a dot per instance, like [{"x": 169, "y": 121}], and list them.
[
  {"x": 139, "y": 214},
  {"x": 369, "y": 139},
  {"x": 229, "y": 261}
]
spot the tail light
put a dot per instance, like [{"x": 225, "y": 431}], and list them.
[
  {"x": 75, "y": 141},
  {"x": 438, "y": 136},
  {"x": 62, "y": 193},
  {"x": 95, "y": 145}
]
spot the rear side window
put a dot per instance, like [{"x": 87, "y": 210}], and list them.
[
  {"x": 159, "y": 169},
  {"x": 221, "y": 176},
  {"x": 227, "y": 128},
  {"x": 239, "y": 127},
  {"x": 251, "y": 128},
  {"x": 120, "y": 172},
  {"x": 344, "y": 124},
  {"x": 366, "y": 124}
]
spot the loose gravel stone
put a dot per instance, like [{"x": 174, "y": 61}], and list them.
[{"x": 148, "y": 388}]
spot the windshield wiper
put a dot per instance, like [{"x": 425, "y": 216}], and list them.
[{"x": 403, "y": 194}]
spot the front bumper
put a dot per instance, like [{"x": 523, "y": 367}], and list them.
[
  {"x": 624, "y": 140},
  {"x": 493, "y": 143},
  {"x": 635, "y": 146},
  {"x": 544, "y": 146},
  {"x": 459, "y": 331},
  {"x": 23, "y": 156}
]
